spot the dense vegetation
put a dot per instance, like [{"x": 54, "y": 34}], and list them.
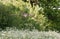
[
  {"x": 20, "y": 14},
  {"x": 23, "y": 19}
]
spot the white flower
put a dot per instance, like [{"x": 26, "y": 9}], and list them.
[{"x": 25, "y": 14}]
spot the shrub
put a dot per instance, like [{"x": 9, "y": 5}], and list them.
[{"x": 16, "y": 13}]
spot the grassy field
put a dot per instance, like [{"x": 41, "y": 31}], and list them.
[{"x": 26, "y": 34}]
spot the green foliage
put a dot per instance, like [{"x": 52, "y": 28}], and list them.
[
  {"x": 52, "y": 14},
  {"x": 20, "y": 14}
]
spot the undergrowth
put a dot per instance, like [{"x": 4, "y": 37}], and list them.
[{"x": 26, "y": 34}]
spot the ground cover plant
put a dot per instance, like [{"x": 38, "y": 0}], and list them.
[{"x": 26, "y": 34}]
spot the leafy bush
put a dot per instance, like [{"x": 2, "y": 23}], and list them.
[
  {"x": 16, "y": 13},
  {"x": 20, "y": 14}
]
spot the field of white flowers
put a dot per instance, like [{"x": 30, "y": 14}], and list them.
[{"x": 26, "y": 34}]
